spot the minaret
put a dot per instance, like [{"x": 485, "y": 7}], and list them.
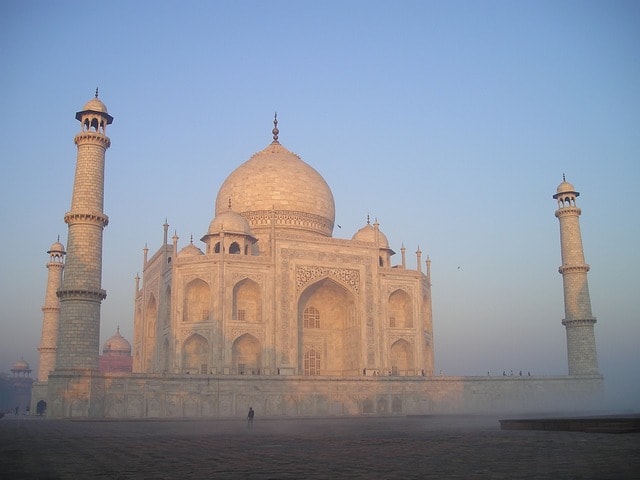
[
  {"x": 581, "y": 342},
  {"x": 81, "y": 293},
  {"x": 51, "y": 312}
]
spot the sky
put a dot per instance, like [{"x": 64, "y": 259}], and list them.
[{"x": 451, "y": 123}]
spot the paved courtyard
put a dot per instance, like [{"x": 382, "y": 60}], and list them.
[{"x": 439, "y": 447}]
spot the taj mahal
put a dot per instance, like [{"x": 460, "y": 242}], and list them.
[{"x": 271, "y": 310}]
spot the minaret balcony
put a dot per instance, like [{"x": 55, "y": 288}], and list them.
[
  {"x": 94, "y": 138},
  {"x": 577, "y": 322},
  {"x": 92, "y": 218},
  {"x": 567, "y": 211},
  {"x": 574, "y": 269}
]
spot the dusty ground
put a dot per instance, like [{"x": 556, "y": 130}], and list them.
[{"x": 402, "y": 447}]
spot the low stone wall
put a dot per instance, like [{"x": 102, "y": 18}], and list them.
[{"x": 178, "y": 396}]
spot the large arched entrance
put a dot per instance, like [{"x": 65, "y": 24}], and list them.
[{"x": 329, "y": 335}]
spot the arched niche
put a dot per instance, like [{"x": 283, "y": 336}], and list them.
[
  {"x": 246, "y": 355},
  {"x": 197, "y": 302},
  {"x": 400, "y": 310},
  {"x": 247, "y": 302},
  {"x": 195, "y": 354},
  {"x": 401, "y": 358}
]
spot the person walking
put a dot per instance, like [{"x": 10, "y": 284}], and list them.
[{"x": 250, "y": 416}]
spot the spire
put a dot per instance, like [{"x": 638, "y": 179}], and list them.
[
  {"x": 96, "y": 92},
  {"x": 166, "y": 229},
  {"x": 563, "y": 179},
  {"x": 275, "y": 130}
]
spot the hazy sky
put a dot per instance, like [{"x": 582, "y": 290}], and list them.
[{"x": 450, "y": 122}]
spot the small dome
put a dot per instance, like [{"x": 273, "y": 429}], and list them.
[
  {"x": 565, "y": 187},
  {"x": 369, "y": 233},
  {"x": 229, "y": 222},
  {"x": 21, "y": 366},
  {"x": 95, "y": 105},
  {"x": 56, "y": 247},
  {"x": 190, "y": 251},
  {"x": 117, "y": 345}
]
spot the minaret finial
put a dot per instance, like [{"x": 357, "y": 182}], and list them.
[
  {"x": 368, "y": 220},
  {"x": 563, "y": 179},
  {"x": 96, "y": 92},
  {"x": 275, "y": 130}
]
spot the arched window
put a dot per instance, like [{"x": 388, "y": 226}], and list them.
[
  {"x": 216, "y": 249},
  {"x": 312, "y": 362},
  {"x": 234, "y": 248},
  {"x": 311, "y": 317}
]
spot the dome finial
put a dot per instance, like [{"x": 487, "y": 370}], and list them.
[
  {"x": 368, "y": 220},
  {"x": 275, "y": 130},
  {"x": 96, "y": 92},
  {"x": 563, "y": 179},
  {"x": 229, "y": 203}
]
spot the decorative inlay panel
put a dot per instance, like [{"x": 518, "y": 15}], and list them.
[
  {"x": 394, "y": 337},
  {"x": 238, "y": 332},
  {"x": 350, "y": 278},
  {"x": 290, "y": 218},
  {"x": 237, "y": 277},
  {"x": 187, "y": 332}
]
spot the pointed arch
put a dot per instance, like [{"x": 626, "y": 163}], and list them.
[
  {"x": 401, "y": 358},
  {"x": 400, "y": 310},
  {"x": 151, "y": 315},
  {"x": 197, "y": 302},
  {"x": 195, "y": 354},
  {"x": 246, "y": 355},
  {"x": 234, "y": 249},
  {"x": 151, "y": 327},
  {"x": 247, "y": 302}
]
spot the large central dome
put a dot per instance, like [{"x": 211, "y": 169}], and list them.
[{"x": 276, "y": 183}]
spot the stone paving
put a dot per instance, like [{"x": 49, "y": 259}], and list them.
[{"x": 442, "y": 447}]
